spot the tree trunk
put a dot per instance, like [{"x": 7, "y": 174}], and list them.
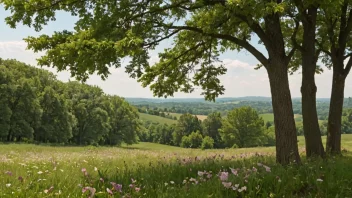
[
  {"x": 285, "y": 128},
  {"x": 333, "y": 143},
  {"x": 314, "y": 145},
  {"x": 313, "y": 142}
]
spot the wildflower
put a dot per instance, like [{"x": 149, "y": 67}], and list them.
[
  {"x": 116, "y": 187},
  {"x": 133, "y": 181},
  {"x": 234, "y": 171},
  {"x": 166, "y": 184},
  {"x": 8, "y": 173},
  {"x": 172, "y": 182},
  {"x": 58, "y": 193},
  {"x": 109, "y": 191},
  {"x": 224, "y": 176},
  {"x": 267, "y": 168},
  {"x": 40, "y": 172},
  {"x": 192, "y": 180},
  {"x": 254, "y": 169},
  {"x": 227, "y": 184},
  {"x": 91, "y": 190},
  {"x": 101, "y": 179},
  {"x": 20, "y": 179},
  {"x": 49, "y": 190},
  {"x": 95, "y": 169},
  {"x": 200, "y": 173},
  {"x": 137, "y": 189},
  {"x": 278, "y": 178},
  {"x": 131, "y": 185},
  {"x": 244, "y": 188},
  {"x": 209, "y": 175},
  {"x": 319, "y": 180},
  {"x": 8, "y": 185}
]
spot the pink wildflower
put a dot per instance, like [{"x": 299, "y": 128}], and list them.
[
  {"x": 109, "y": 191},
  {"x": 267, "y": 168},
  {"x": 234, "y": 171},
  {"x": 224, "y": 176},
  {"x": 137, "y": 189},
  {"x": 116, "y": 187},
  {"x": 91, "y": 191},
  {"x": 131, "y": 185},
  {"x": 84, "y": 171},
  {"x": 8, "y": 173},
  {"x": 227, "y": 184}
]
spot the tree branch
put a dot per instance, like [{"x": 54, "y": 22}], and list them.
[
  {"x": 161, "y": 39},
  {"x": 347, "y": 69},
  {"x": 237, "y": 41},
  {"x": 322, "y": 48}
]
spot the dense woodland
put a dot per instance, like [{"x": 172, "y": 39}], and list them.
[{"x": 36, "y": 107}]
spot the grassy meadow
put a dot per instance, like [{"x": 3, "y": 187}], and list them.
[
  {"x": 153, "y": 170},
  {"x": 156, "y": 119}
]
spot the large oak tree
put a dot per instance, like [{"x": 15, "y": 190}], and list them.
[{"x": 201, "y": 29}]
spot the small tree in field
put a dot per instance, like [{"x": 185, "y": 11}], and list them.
[
  {"x": 207, "y": 143},
  {"x": 243, "y": 127}
]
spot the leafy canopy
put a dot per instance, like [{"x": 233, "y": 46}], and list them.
[{"x": 108, "y": 31}]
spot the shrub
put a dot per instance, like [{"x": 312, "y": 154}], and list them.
[
  {"x": 196, "y": 139},
  {"x": 186, "y": 142},
  {"x": 207, "y": 143}
]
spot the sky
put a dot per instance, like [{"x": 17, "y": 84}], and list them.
[{"x": 240, "y": 80}]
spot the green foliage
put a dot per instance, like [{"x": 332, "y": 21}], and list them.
[
  {"x": 186, "y": 142},
  {"x": 196, "y": 139},
  {"x": 211, "y": 127},
  {"x": 207, "y": 143},
  {"x": 185, "y": 126},
  {"x": 242, "y": 127},
  {"x": 35, "y": 106}
]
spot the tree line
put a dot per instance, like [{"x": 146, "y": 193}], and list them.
[
  {"x": 242, "y": 127},
  {"x": 293, "y": 35},
  {"x": 36, "y": 107}
]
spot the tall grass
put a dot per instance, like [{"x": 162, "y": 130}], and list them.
[{"x": 152, "y": 170}]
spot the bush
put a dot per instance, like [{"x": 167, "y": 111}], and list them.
[
  {"x": 207, "y": 143},
  {"x": 186, "y": 142},
  {"x": 196, "y": 139}
]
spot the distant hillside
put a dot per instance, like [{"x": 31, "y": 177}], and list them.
[{"x": 156, "y": 119}]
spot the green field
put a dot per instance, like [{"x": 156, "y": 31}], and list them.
[
  {"x": 156, "y": 119},
  {"x": 200, "y": 117},
  {"x": 153, "y": 170},
  {"x": 270, "y": 117}
]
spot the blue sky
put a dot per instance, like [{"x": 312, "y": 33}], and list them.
[{"x": 240, "y": 80}]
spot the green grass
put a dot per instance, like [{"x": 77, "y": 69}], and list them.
[
  {"x": 166, "y": 171},
  {"x": 156, "y": 119},
  {"x": 270, "y": 117}
]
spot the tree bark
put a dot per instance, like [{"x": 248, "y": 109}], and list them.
[
  {"x": 285, "y": 128},
  {"x": 313, "y": 142},
  {"x": 333, "y": 143}
]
